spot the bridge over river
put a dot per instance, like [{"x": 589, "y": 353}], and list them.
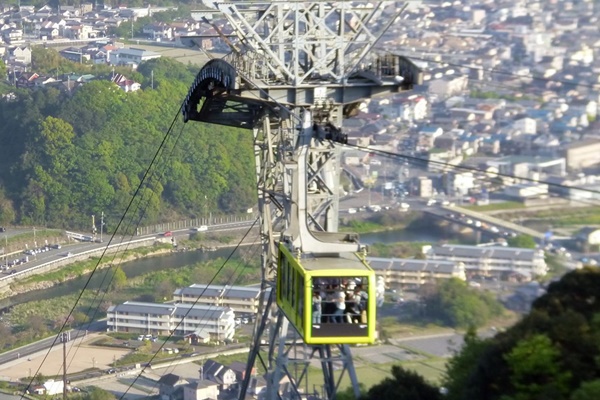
[{"x": 452, "y": 213}]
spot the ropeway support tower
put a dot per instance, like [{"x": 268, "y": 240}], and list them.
[{"x": 295, "y": 71}]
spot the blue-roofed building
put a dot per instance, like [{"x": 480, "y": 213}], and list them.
[
  {"x": 242, "y": 299},
  {"x": 542, "y": 115}
]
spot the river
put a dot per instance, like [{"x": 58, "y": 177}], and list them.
[{"x": 180, "y": 259}]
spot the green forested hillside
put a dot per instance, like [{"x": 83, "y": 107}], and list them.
[
  {"x": 65, "y": 156},
  {"x": 553, "y": 353}
]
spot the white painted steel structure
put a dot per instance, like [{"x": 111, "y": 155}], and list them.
[{"x": 296, "y": 70}]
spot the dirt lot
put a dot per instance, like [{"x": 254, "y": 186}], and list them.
[{"x": 79, "y": 357}]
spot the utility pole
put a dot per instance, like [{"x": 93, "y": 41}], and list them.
[
  {"x": 101, "y": 225},
  {"x": 94, "y": 226},
  {"x": 65, "y": 337}
]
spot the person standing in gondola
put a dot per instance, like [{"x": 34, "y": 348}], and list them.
[{"x": 316, "y": 307}]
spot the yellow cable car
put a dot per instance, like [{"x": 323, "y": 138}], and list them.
[{"x": 330, "y": 299}]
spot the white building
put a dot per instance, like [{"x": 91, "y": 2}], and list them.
[
  {"x": 242, "y": 299},
  {"x": 132, "y": 57},
  {"x": 527, "y": 126},
  {"x": 459, "y": 184},
  {"x": 409, "y": 271},
  {"x": 527, "y": 190},
  {"x": 181, "y": 319},
  {"x": 491, "y": 259}
]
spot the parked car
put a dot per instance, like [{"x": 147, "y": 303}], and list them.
[{"x": 168, "y": 233}]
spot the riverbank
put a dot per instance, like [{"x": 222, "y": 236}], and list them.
[
  {"x": 77, "y": 269},
  {"x": 73, "y": 271}
]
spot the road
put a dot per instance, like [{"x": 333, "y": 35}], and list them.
[{"x": 77, "y": 247}]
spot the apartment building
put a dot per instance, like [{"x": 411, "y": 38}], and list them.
[
  {"x": 408, "y": 271},
  {"x": 179, "y": 319},
  {"x": 241, "y": 299},
  {"x": 491, "y": 259}
]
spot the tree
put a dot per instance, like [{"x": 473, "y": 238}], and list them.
[
  {"x": 552, "y": 353},
  {"x": 523, "y": 241},
  {"x": 164, "y": 291},
  {"x": 459, "y": 368},
  {"x": 536, "y": 371},
  {"x": 587, "y": 391},
  {"x": 80, "y": 318},
  {"x": 37, "y": 324},
  {"x": 2, "y": 71},
  {"x": 403, "y": 385},
  {"x": 40, "y": 378},
  {"x": 7, "y": 211},
  {"x": 455, "y": 304},
  {"x": 119, "y": 279}
]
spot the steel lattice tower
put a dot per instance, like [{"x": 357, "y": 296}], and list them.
[{"x": 295, "y": 71}]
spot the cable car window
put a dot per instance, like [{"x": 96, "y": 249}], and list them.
[
  {"x": 339, "y": 306},
  {"x": 293, "y": 289},
  {"x": 283, "y": 272},
  {"x": 300, "y": 300}
]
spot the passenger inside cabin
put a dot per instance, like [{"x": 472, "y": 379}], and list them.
[{"x": 316, "y": 307}]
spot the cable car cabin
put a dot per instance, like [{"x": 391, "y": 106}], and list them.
[{"x": 329, "y": 300}]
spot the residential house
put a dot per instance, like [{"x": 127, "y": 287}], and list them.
[
  {"x": 12, "y": 35},
  {"x": 127, "y": 85},
  {"x": 76, "y": 55},
  {"x": 43, "y": 81},
  {"x": 201, "y": 390},
  {"x": 48, "y": 32},
  {"x": 216, "y": 372},
  {"x": 168, "y": 385},
  {"x": 183, "y": 28},
  {"x": 21, "y": 54},
  {"x": 158, "y": 30},
  {"x": 240, "y": 370},
  {"x": 26, "y": 80},
  {"x": 79, "y": 31}
]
